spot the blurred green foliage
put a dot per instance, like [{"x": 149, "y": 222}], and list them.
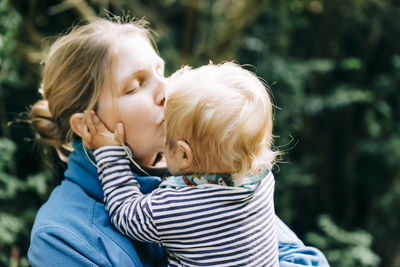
[
  {"x": 16, "y": 215},
  {"x": 333, "y": 68},
  {"x": 9, "y": 23},
  {"x": 343, "y": 248}
]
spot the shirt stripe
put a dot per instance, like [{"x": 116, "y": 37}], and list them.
[{"x": 206, "y": 225}]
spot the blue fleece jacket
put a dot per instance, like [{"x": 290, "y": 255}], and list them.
[{"x": 73, "y": 229}]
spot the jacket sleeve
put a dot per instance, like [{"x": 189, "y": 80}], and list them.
[
  {"x": 56, "y": 247},
  {"x": 292, "y": 251}
]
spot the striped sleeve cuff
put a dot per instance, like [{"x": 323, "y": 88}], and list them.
[{"x": 110, "y": 151}]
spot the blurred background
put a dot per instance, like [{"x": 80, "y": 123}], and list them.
[{"x": 334, "y": 71}]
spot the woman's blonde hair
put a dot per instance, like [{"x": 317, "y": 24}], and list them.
[
  {"x": 224, "y": 113},
  {"x": 73, "y": 75}
]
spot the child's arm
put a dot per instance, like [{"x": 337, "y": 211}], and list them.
[{"x": 129, "y": 210}]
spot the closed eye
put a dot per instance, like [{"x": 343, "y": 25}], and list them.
[
  {"x": 130, "y": 91},
  {"x": 134, "y": 82},
  {"x": 133, "y": 87}
]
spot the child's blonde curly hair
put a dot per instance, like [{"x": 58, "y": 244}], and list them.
[{"x": 224, "y": 113}]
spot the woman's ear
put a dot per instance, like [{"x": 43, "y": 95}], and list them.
[
  {"x": 76, "y": 123},
  {"x": 185, "y": 154}
]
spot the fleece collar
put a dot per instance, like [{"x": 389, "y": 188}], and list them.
[{"x": 83, "y": 172}]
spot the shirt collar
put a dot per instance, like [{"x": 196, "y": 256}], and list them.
[{"x": 249, "y": 181}]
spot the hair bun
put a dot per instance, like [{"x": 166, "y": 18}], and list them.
[{"x": 43, "y": 123}]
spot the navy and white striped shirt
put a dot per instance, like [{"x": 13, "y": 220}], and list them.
[{"x": 206, "y": 225}]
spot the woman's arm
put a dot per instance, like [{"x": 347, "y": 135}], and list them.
[
  {"x": 53, "y": 246},
  {"x": 292, "y": 251}
]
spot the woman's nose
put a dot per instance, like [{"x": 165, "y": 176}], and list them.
[{"x": 160, "y": 94}]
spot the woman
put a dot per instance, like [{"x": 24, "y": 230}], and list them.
[{"x": 113, "y": 69}]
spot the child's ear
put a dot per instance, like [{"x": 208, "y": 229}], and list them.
[
  {"x": 185, "y": 153},
  {"x": 76, "y": 123}
]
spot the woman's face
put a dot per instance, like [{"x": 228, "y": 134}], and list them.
[{"x": 134, "y": 94}]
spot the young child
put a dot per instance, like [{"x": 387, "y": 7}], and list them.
[{"x": 217, "y": 209}]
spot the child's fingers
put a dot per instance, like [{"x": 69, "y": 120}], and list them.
[
  {"x": 98, "y": 124},
  {"x": 120, "y": 133},
  {"x": 87, "y": 137},
  {"x": 89, "y": 123}
]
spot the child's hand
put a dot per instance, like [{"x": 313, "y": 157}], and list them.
[{"x": 95, "y": 133}]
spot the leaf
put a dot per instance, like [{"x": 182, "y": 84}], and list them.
[{"x": 10, "y": 226}]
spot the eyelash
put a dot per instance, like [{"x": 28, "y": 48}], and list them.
[
  {"x": 133, "y": 90},
  {"x": 160, "y": 70}
]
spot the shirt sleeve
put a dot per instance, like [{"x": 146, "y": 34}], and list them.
[
  {"x": 292, "y": 251},
  {"x": 129, "y": 210}
]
